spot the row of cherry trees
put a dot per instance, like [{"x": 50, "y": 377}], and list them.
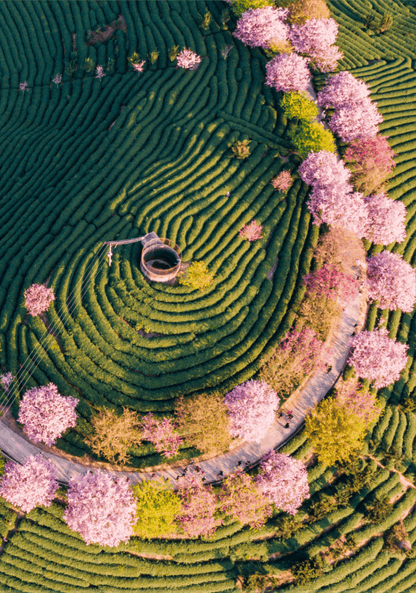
[{"x": 106, "y": 510}]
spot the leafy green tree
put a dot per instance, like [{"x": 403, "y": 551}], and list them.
[
  {"x": 299, "y": 106},
  {"x": 204, "y": 422},
  {"x": 306, "y": 571},
  {"x": 240, "y": 6},
  {"x": 335, "y": 433},
  {"x": 312, "y": 136},
  {"x": 157, "y": 507},
  {"x": 197, "y": 276}
]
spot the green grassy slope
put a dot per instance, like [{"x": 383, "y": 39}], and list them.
[{"x": 70, "y": 180}]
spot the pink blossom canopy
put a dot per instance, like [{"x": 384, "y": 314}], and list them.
[
  {"x": 377, "y": 357},
  {"x": 386, "y": 220},
  {"x": 316, "y": 38},
  {"x": 101, "y": 509},
  {"x": 288, "y": 72},
  {"x": 338, "y": 207},
  {"x": 359, "y": 120},
  {"x": 324, "y": 169},
  {"x": 251, "y": 231},
  {"x": 343, "y": 90},
  {"x": 283, "y": 181},
  {"x": 391, "y": 281},
  {"x": 199, "y": 505},
  {"x": 38, "y": 298},
  {"x": 45, "y": 414},
  {"x": 260, "y": 26},
  {"x": 252, "y": 407},
  {"x": 284, "y": 481},
  {"x": 188, "y": 59},
  {"x": 31, "y": 484},
  {"x": 328, "y": 281},
  {"x": 161, "y": 432}
]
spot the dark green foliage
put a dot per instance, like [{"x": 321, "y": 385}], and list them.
[{"x": 306, "y": 571}]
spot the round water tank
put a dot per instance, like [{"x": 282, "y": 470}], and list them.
[{"x": 160, "y": 260}]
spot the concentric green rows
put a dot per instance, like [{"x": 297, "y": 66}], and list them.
[{"x": 72, "y": 180}]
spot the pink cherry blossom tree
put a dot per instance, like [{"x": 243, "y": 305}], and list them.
[
  {"x": 31, "y": 484},
  {"x": 288, "y": 72},
  {"x": 240, "y": 499},
  {"x": 252, "y": 408},
  {"x": 251, "y": 231},
  {"x": 161, "y": 432},
  {"x": 283, "y": 480},
  {"x": 315, "y": 38},
  {"x": 6, "y": 380},
  {"x": 45, "y": 414},
  {"x": 188, "y": 59},
  {"x": 331, "y": 283},
  {"x": 327, "y": 61},
  {"x": 391, "y": 281},
  {"x": 337, "y": 206},
  {"x": 371, "y": 161},
  {"x": 139, "y": 67},
  {"x": 38, "y": 298},
  {"x": 386, "y": 220},
  {"x": 358, "y": 400},
  {"x": 343, "y": 90},
  {"x": 283, "y": 182},
  {"x": 261, "y": 26},
  {"x": 323, "y": 169},
  {"x": 199, "y": 505},
  {"x": 377, "y": 357},
  {"x": 102, "y": 509},
  {"x": 359, "y": 120}
]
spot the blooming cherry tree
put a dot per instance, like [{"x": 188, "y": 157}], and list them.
[
  {"x": 262, "y": 26},
  {"x": 161, "y": 432},
  {"x": 31, "y": 484},
  {"x": 100, "y": 508},
  {"x": 283, "y": 480},
  {"x": 288, "y": 72},
  {"x": 377, "y": 357},
  {"x": 338, "y": 207},
  {"x": 38, "y": 298},
  {"x": 6, "y": 380},
  {"x": 139, "y": 67},
  {"x": 323, "y": 169},
  {"x": 283, "y": 181},
  {"x": 330, "y": 282},
  {"x": 371, "y": 161},
  {"x": 386, "y": 220},
  {"x": 343, "y": 90},
  {"x": 316, "y": 38},
  {"x": 391, "y": 281},
  {"x": 243, "y": 501},
  {"x": 99, "y": 72},
  {"x": 252, "y": 407},
  {"x": 45, "y": 414},
  {"x": 188, "y": 59},
  {"x": 58, "y": 79},
  {"x": 199, "y": 505},
  {"x": 251, "y": 231},
  {"x": 359, "y": 120},
  {"x": 327, "y": 61},
  {"x": 358, "y": 400}
]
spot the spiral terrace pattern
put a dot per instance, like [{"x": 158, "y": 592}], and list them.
[
  {"x": 68, "y": 183},
  {"x": 71, "y": 180}
]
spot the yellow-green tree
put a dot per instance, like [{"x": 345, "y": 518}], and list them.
[
  {"x": 157, "y": 507},
  {"x": 197, "y": 276}
]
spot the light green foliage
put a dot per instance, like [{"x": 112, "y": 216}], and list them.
[
  {"x": 197, "y": 276},
  {"x": 299, "y": 106},
  {"x": 173, "y": 52},
  {"x": 303, "y": 10},
  {"x": 335, "y": 433},
  {"x": 240, "y": 6},
  {"x": 312, "y": 137},
  {"x": 2, "y": 464},
  {"x": 153, "y": 56},
  {"x": 157, "y": 506}
]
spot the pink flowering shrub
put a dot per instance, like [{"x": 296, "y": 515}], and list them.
[
  {"x": 6, "y": 380},
  {"x": 199, "y": 505},
  {"x": 251, "y": 231},
  {"x": 102, "y": 509},
  {"x": 359, "y": 120},
  {"x": 377, "y": 357},
  {"x": 391, "y": 281},
  {"x": 283, "y": 480},
  {"x": 262, "y": 26},
  {"x": 45, "y": 414},
  {"x": 296, "y": 356},
  {"x": 288, "y": 72},
  {"x": 343, "y": 90},
  {"x": 188, "y": 59},
  {"x": 386, "y": 220},
  {"x": 283, "y": 182},
  {"x": 252, "y": 407},
  {"x": 357, "y": 400},
  {"x": 240, "y": 499},
  {"x": 324, "y": 169},
  {"x": 38, "y": 298},
  {"x": 331, "y": 283},
  {"x": 316, "y": 38},
  {"x": 139, "y": 67},
  {"x": 162, "y": 434},
  {"x": 337, "y": 206},
  {"x": 99, "y": 72},
  {"x": 31, "y": 484},
  {"x": 371, "y": 161}
]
